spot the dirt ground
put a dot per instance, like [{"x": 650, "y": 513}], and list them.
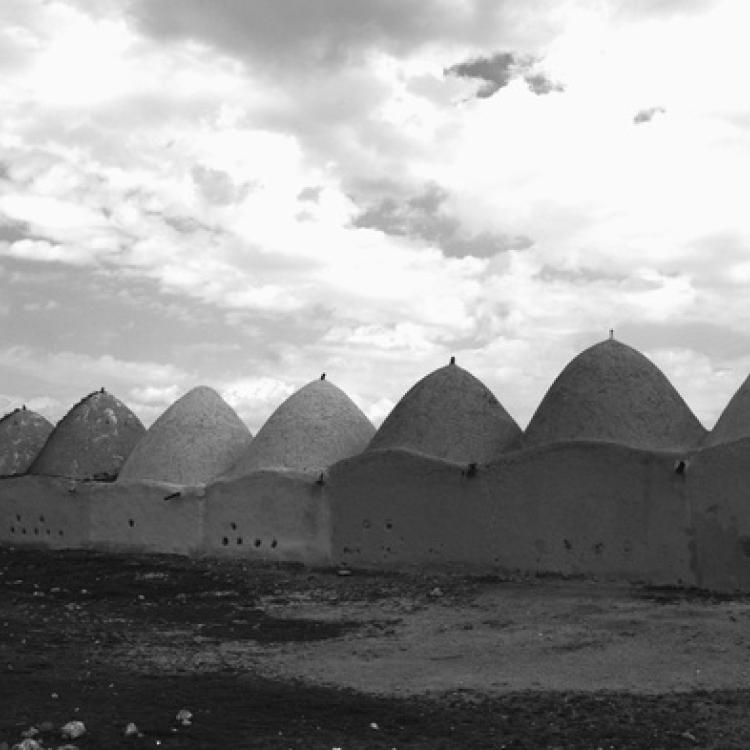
[{"x": 280, "y": 656}]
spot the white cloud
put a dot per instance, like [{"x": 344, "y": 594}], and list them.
[
  {"x": 255, "y": 399},
  {"x": 177, "y": 147},
  {"x": 67, "y": 367},
  {"x": 163, "y": 396}
]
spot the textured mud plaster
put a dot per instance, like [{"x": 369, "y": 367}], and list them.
[
  {"x": 194, "y": 441},
  {"x": 613, "y": 393},
  {"x": 148, "y": 517},
  {"x": 395, "y": 506},
  {"x": 23, "y": 433},
  {"x": 91, "y": 441},
  {"x": 570, "y": 509},
  {"x": 718, "y": 485},
  {"x": 315, "y": 427},
  {"x": 593, "y": 509},
  {"x": 275, "y": 515},
  {"x": 449, "y": 414},
  {"x": 44, "y": 511},
  {"x": 734, "y": 422}
]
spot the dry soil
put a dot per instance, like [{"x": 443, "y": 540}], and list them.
[{"x": 269, "y": 656}]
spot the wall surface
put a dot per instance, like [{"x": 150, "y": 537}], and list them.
[
  {"x": 572, "y": 509},
  {"x": 593, "y": 509},
  {"x": 147, "y": 517},
  {"x": 718, "y": 481},
  {"x": 44, "y": 510},
  {"x": 276, "y": 515}
]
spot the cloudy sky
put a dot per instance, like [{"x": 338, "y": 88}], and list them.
[{"x": 245, "y": 194}]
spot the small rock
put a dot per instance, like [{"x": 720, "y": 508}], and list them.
[
  {"x": 30, "y": 732},
  {"x": 73, "y": 730},
  {"x": 27, "y": 744},
  {"x": 131, "y": 729},
  {"x": 373, "y": 725},
  {"x": 436, "y": 593},
  {"x": 343, "y": 572},
  {"x": 184, "y": 717},
  {"x": 688, "y": 735}
]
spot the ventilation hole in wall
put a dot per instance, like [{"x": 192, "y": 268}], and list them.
[
  {"x": 12, "y": 529},
  {"x": 225, "y": 540},
  {"x": 274, "y": 544},
  {"x": 61, "y": 532},
  {"x": 598, "y": 547},
  {"x": 18, "y": 517},
  {"x": 23, "y": 530},
  {"x": 239, "y": 540},
  {"x": 233, "y": 526},
  {"x": 48, "y": 532},
  {"x": 131, "y": 522},
  {"x": 41, "y": 519},
  {"x": 567, "y": 544},
  {"x": 366, "y": 524},
  {"x": 36, "y": 531},
  {"x": 258, "y": 542},
  {"x": 388, "y": 525}
]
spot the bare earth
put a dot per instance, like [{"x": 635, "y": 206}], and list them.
[{"x": 275, "y": 656}]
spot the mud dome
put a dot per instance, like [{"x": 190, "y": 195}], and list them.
[
  {"x": 23, "y": 433},
  {"x": 449, "y": 414},
  {"x": 613, "y": 393},
  {"x": 194, "y": 441},
  {"x": 586, "y": 503},
  {"x": 734, "y": 422},
  {"x": 91, "y": 441},
  {"x": 315, "y": 427}
]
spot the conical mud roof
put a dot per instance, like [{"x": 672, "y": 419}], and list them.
[
  {"x": 22, "y": 435},
  {"x": 451, "y": 415},
  {"x": 198, "y": 438},
  {"x": 613, "y": 393},
  {"x": 734, "y": 422},
  {"x": 91, "y": 441},
  {"x": 314, "y": 428}
]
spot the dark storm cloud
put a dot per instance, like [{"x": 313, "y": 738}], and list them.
[
  {"x": 422, "y": 217},
  {"x": 325, "y": 32},
  {"x": 498, "y": 71},
  {"x": 648, "y": 114}
]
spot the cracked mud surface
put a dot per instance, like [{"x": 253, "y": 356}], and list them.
[{"x": 278, "y": 656}]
